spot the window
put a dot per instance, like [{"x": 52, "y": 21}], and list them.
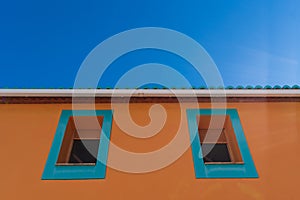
[
  {"x": 218, "y": 144},
  {"x": 81, "y": 142},
  {"x": 80, "y": 146},
  {"x": 218, "y": 141}
]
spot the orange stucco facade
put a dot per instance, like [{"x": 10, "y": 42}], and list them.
[{"x": 272, "y": 131}]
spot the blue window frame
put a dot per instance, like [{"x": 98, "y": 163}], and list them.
[
  {"x": 241, "y": 170},
  {"x": 97, "y": 171}
]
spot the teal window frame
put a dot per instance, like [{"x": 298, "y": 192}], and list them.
[
  {"x": 245, "y": 170},
  {"x": 97, "y": 171}
]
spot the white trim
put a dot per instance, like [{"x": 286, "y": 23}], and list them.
[{"x": 150, "y": 92}]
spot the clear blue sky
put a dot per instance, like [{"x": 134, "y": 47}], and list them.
[{"x": 253, "y": 42}]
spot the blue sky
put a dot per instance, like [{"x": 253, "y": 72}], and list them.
[{"x": 43, "y": 43}]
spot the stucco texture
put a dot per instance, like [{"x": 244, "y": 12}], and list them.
[{"x": 272, "y": 131}]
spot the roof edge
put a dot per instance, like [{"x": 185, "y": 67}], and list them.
[{"x": 149, "y": 93}]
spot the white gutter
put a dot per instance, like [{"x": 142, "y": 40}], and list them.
[{"x": 149, "y": 93}]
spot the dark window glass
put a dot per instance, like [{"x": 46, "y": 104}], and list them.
[
  {"x": 215, "y": 153},
  {"x": 84, "y": 151}
]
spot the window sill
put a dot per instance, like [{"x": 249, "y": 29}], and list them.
[
  {"x": 75, "y": 164},
  {"x": 224, "y": 163}
]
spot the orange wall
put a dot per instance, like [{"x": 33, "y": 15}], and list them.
[{"x": 272, "y": 131}]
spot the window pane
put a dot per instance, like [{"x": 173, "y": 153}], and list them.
[
  {"x": 84, "y": 151},
  {"x": 215, "y": 153}
]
